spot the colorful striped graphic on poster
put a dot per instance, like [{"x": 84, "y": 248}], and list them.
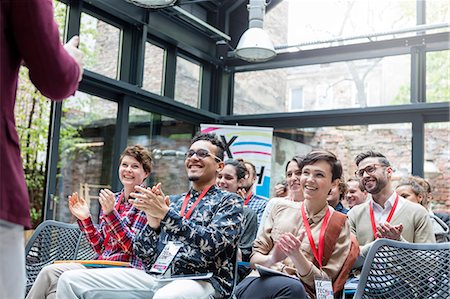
[{"x": 249, "y": 143}]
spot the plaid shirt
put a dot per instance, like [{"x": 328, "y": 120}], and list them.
[
  {"x": 112, "y": 240},
  {"x": 257, "y": 204}
]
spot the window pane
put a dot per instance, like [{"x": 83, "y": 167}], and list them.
[
  {"x": 295, "y": 22},
  {"x": 392, "y": 140},
  {"x": 437, "y": 164},
  {"x": 60, "y": 13},
  {"x": 100, "y": 43},
  {"x": 153, "y": 68},
  {"x": 88, "y": 127},
  {"x": 187, "y": 82},
  {"x": 31, "y": 112},
  {"x": 438, "y": 76},
  {"x": 438, "y": 11},
  {"x": 348, "y": 84},
  {"x": 168, "y": 139},
  {"x": 296, "y": 99}
]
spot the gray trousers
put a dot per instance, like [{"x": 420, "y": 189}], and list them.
[
  {"x": 44, "y": 287},
  {"x": 120, "y": 283},
  {"x": 12, "y": 261}
]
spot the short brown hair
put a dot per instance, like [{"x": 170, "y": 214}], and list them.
[
  {"x": 327, "y": 156},
  {"x": 141, "y": 154}
]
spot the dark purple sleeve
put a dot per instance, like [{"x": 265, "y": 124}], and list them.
[{"x": 52, "y": 70}]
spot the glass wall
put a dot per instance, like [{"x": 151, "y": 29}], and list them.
[
  {"x": 438, "y": 76},
  {"x": 153, "y": 68},
  {"x": 187, "y": 82},
  {"x": 437, "y": 11},
  {"x": 294, "y": 22},
  {"x": 392, "y": 140},
  {"x": 167, "y": 139},
  {"x": 88, "y": 127},
  {"x": 100, "y": 43},
  {"x": 437, "y": 163},
  {"x": 349, "y": 84}
]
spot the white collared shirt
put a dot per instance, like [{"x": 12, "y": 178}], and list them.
[{"x": 381, "y": 214}]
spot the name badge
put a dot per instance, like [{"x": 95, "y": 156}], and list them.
[
  {"x": 324, "y": 288},
  {"x": 165, "y": 257}
]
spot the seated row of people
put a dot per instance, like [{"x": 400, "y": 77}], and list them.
[{"x": 301, "y": 236}]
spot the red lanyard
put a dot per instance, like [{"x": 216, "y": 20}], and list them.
[
  {"x": 317, "y": 254},
  {"x": 372, "y": 217},
  {"x": 247, "y": 199},
  {"x": 186, "y": 200},
  {"x": 108, "y": 236}
]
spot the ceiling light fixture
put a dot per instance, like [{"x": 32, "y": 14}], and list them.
[
  {"x": 152, "y": 3},
  {"x": 255, "y": 44}
]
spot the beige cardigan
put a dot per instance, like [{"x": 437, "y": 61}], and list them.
[
  {"x": 416, "y": 222},
  {"x": 285, "y": 216}
]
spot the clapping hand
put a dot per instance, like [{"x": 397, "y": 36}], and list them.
[
  {"x": 277, "y": 254},
  {"x": 389, "y": 231},
  {"x": 106, "y": 199},
  {"x": 153, "y": 202},
  {"x": 290, "y": 244},
  {"x": 78, "y": 207},
  {"x": 241, "y": 192}
]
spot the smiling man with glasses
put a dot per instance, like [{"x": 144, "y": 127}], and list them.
[
  {"x": 385, "y": 214},
  {"x": 201, "y": 154},
  {"x": 191, "y": 233}
]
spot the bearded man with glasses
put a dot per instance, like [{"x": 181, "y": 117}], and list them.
[{"x": 385, "y": 214}]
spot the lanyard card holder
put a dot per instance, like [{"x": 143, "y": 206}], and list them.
[
  {"x": 165, "y": 257},
  {"x": 324, "y": 288}
]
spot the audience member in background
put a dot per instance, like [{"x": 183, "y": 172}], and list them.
[
  {"x": 336, "y": 195},
  {"x": 412, "y": 188},
  {"x": 444, "y": 216},
  {"x": 355, "y": 194},
  {"x": 196, "y": 232},
  {"x": 231, "y": 179},
  {"x": 28, "y": 36},
  {"x": 385, "y": 214},
  {"x": 289, "y": 241},
  {"x": 253, "y": 201},
  {"x": 295, "y": 192},
  {"x": 119, "y": 221},
  {"x": 281, "y": 189}
]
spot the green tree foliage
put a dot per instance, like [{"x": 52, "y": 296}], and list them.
[
  {"x": 32, "y": 119},
  {"x": 438, "y": 76}
]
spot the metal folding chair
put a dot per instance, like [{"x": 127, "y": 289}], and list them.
[
  {"x": 394, "y": 269},
  {"x": 51, "y": 241}
]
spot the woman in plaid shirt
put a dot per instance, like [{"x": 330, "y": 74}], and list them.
[{"x": 119, "y": 221}]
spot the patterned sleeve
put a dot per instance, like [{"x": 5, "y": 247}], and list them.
[
  {"x": 145, "y": 246},
  {"x": 124, "y": 229},
  {"x": 223, "y": 230},
  {"x": 261, "y": 208}
]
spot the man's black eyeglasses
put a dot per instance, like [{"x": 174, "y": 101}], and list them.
[
  {"x": 201, "y": 154},
  {"x": 369, "y": 169}
]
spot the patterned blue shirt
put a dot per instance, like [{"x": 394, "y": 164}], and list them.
[
  {"x": 209, "y": 237},
  {"x": 257, "y": 204}
]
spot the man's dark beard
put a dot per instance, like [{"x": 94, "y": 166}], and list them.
[
  {"x": 247, "y": 188},
  {"x": 193, "y": 178}
]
